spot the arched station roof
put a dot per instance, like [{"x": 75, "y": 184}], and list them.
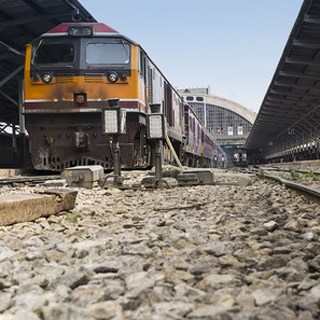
[
  {"x": 224, "y": 103},
  {"x": 232, "y": 106}
]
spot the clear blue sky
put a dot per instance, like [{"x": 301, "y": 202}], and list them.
[{"x": 232, "y": 45}]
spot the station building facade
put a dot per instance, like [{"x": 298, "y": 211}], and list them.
[{"x": 229, "y": 122}]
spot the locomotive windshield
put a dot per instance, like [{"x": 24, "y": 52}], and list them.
[
  {"x": 82, "y": 53},
  {"x": 107, "y": 52},
  {"x": 53, "y": 52}
]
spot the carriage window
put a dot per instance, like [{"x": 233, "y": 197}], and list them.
[
  {"x": 107, "y": 53},
  {"x": 54, "y": 53},
  {"x": 240, "y": 130}
]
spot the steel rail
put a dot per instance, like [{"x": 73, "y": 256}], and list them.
[
  {"x": 290, "y": 170},
  {"x": 292, "y": 185},
  {"x": 27, "y": 179}
]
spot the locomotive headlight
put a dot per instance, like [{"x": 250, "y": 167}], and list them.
[
  {"x": 47, "y": 78},
  {"x": 80, "y": 31},
  {"x": 113, "y": 77}
]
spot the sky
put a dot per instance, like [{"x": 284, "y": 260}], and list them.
[{"x": 233, "y": 46}]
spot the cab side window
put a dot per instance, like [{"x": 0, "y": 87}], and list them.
[{"x": 142, "y": 64}]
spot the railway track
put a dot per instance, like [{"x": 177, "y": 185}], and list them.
[
  {"x": 279, "y": 169},
  {"x": 27, "y": 180},
  {"x": 313, "y": 191}
]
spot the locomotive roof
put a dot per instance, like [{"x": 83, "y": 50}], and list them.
[{"x": 98, "y": 28}]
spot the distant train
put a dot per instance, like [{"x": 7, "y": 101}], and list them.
[
  {"x": 240, "y": 157},
  {"x": 72, "y": 72}
]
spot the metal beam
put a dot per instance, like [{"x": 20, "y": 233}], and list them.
[
  {"x": 274, "y": 91},
  {"x": 9, "y": 17},
  {"x": 11, "y": 49},
  {"x": 306, "y": 44},
  {"x": 274, "y": 120},
  {"x": 292, "y": 85},
  {"x": 305, "y": 98},
  {"x": 282, "y": 117},
  {"x": 293, "y": 95},
  {"x": 5, "y": 56},
  {"x": 280, "y": 113},
  {"x": 281, "y": 101},
  {"x": 288, "y": 98},
  {"x": 10, "y": 76},
  {"x": 302, "y": 61},
  {"x": 26, "y": 20},
  {"x": 305, "y": 126},
  {"x": 299, "y": 75},
  {"x": 14, "y": 102},
  {"x": 290, "y": 105},
  {"x": 35, "y": 6},
  {"x": 277, "y": 108},
  {"x": 308, "y": 18},
  {"x": 300, "y": 120}
]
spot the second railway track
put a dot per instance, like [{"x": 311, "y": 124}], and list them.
[
  {"x": 27, "y": 180},
  {"x": 310, "y": 188}
]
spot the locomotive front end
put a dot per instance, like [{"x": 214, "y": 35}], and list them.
[{"x": 71, "y": 73}]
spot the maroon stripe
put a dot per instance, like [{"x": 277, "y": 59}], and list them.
[{"x": 97, "y": 27}]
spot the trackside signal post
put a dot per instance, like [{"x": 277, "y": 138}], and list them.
[
  {"x": 156, "y": 134},
  {"x": 113, "y": 124}
]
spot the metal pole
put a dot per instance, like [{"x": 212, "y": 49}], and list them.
[
  {"x": 22, "y": 124},
  {"x": 117, "y": 162},
  {"x": 22, "y": 121},
  {"x": 158, "y": 161},
  {"x": 14, "y": 138}
]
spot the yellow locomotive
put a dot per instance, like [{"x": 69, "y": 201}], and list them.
[{"x": 71, "y": 73}]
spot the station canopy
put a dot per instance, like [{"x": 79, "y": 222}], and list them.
[
  {"x": 21, "y": 21},
  {"x": 293, "y": 98}
]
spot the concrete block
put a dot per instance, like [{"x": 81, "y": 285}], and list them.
[
  {"x": 148, "y": 181},
  {"x": 7, "y": 173},
  {"x": 84, "y": 176},
  {"x": 188, "y": 179},
  {"x": 26, "y": 207},
  {"x": 205, "y": 176},
  {"x": 55, "y": 183},
  {"x": 168, "y": 171}
]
